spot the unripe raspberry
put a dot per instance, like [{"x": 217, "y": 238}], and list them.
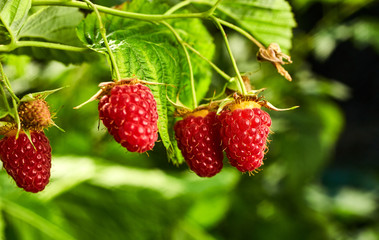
[
  {"x": 198, "y": 137},
  {"x": 28, "y": 166},
  {"x": 130, "y": 114},
  {"x": 244, "y": 132},
  {"x": 34, "y": 115}
]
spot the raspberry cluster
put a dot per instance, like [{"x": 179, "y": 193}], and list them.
[
  {"x": 130, "y": 114},
  {"x": 241, "y": 130}
]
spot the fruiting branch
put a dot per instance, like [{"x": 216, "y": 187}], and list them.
[
  {"x": 240, "y": 30},
  {"x": 7, "y": 85},
  {"x": 115, "y": 12},
  {"x": 211, "y": 11},
  {"x": 217, "y": 69},
  {"x": 177, "y": 7},
  {"x": 181, "y": 42},
  {"x": 58, "y": 46},
  {"x": 239, "y": 77}
]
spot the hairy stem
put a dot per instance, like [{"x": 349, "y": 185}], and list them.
[
  {"x": 181, "y": 42},
  {"x": 217, "y": 69},
  {"x": 239, "y": 78},
  {"x": 58, "y": 46},
  {"x": 115, "y": 12},
  {"x": 7, "y": 85},
  {"x": 243, "y": 32},
  {"x": 104, "y": 36},
  {"x": 17, "y": 117},
  {"x": 177, "y": 7},
  {"x": 213, "y": 8}
]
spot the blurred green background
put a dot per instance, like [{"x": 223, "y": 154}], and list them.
[{"x": 320, "y": 177}]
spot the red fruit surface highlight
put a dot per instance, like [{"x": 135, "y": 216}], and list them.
[
  {"x": 130, "y": 114},
  {"x": 29, "y": 167},
  {"x": 199, "y": 140},
  {"x": 244, "y": 133}
]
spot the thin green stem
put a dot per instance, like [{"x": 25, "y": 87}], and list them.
[
  {"x": 240, "y": 30},
  {"x": 239, "y": 78},
  {"x": 15, "y": 99},
  {"x": 104, "y": 36},
  {"x": 115, "y": 12},
  {"x": 210, "y": 11},
  {"x": 217, "y": 69},
  {"x": 17, "y": 117},
  {"x": 58, "y": 46},
  {"x": 181, "y": 42},
  {"x": 177, "y": 7},
  {"x": 7, "y": 85}
]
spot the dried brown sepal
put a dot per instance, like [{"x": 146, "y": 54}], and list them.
[
  {"x": 274, "y": 55},
  {"x": 246, "y": 82}
]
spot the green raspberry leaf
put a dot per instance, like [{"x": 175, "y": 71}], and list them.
[
  {"x": 194, "y": 33},
  {"x": 267, "y": 21},
  {"x": 5, "y": 37},
  {"x": 13, "y": 14},
  {"x": 5, "y": 106},
  {"x": 48, "y": 24},
  {"x": 55, "y": 24},
  {"x": 58, "y": 25}
]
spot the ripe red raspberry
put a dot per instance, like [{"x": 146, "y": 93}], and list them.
[
  {"x": 35, "y": 114},
  {"x": 29, "y": 167},
  {"x": 130, "y": 114},
  {"x": 198, "y": 137},
  {"x": 244, "y": 132}
]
